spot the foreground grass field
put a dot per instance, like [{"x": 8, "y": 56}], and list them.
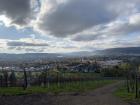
[
  {"x": 123, "y": 94},
  {"x": 54, "y": 88}
]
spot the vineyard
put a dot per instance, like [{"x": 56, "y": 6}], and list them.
[{"x": 27, "y": 82}]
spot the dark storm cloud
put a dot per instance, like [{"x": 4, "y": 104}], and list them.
[
  {"x": 16, "y": 43},
  {"x": 118, "y": 29},
  {"x": 19, "y": 11},
  {"x": 75, "y": 16},
  {"x": 86, "y": 37}
]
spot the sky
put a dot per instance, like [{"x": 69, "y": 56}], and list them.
[{"x": 61, "y": 26}]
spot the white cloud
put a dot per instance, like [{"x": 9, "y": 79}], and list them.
[
  {"x": 135, "y": 19},
  {"x": 72, "y": 25}
]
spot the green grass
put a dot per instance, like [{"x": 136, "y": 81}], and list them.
[
  {"x": 95, "y": 75},
  {"x": 54, "y": 88},
  {"x": 20, "y": 75},
  {"x": 123, "y": 94}
]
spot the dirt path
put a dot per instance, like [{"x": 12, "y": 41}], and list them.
[{"x": 101, "y": 96}]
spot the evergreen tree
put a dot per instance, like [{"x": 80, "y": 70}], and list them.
[
  {"x": 12, "y": 79},
  {"x": 5, "y": 73}
]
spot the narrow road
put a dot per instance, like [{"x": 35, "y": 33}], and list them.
[{"x": 101, "y": 96}]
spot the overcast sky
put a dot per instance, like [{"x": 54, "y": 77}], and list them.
[{"x": 68, "y": 25}]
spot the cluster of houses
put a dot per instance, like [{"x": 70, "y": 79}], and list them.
[
  {"x": 82, "y": 66},
  {"x": 109, "y": 63}
]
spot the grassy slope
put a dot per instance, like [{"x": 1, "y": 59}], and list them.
[{"x": 68, "y": 87}]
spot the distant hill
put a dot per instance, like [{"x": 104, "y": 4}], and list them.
[
  {"x": 79, "y": 54},
  {"x": 28, "y": 56},
  {"x": 120, "y": 51},
  {"x": 58, "y": 56},
  {"x": 41, "y": 56}
]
